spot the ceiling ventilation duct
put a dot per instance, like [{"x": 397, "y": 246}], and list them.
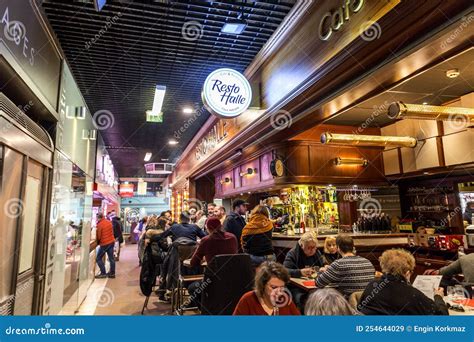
[{"x": 159, "y": 168}]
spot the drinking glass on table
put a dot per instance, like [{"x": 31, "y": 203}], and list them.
[
  {"x": 314, "y": 274},
  {"x": 450, "y": 292}
]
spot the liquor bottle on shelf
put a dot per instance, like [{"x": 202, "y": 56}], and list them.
[{"x": 302, "y": 227}]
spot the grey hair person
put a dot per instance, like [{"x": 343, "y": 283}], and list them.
[{"x": 328, "y": 302}]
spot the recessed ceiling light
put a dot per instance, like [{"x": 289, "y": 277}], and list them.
[
  {"x": 187, "y": 110},
  {"x": 236, "y": 26},
  {"x": 172, "y": 142},
  {"x": 425, "y": 103},
  {"x": 164, "y": 159},
  {"x": 452, "y": 73},
  {"x": 426, "y": 173},
  {"x": 147, "y": 156}
]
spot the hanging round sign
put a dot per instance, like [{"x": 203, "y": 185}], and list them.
[{"x": 226, "y": 93}]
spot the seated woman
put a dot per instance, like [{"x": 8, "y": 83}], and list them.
[
  {"x": 301, "y": 261},
  {"x": 270, "y": 296},
  {"x": 328, "y": 302},
  {"x": 257, "y": 236},
  {"x": 330, "y": 250},
  {"x": 392, "y": 294}
]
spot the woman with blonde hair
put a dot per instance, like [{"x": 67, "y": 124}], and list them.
[
  {"x": 330, "y": 250},
  {"x": 257, "y": 236},
  {"x": 392, "y": 294}
]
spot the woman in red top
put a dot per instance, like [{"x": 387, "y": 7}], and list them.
[{"x": 270, "y": 297}]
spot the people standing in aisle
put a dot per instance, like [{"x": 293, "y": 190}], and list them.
[
  {"x": 201, "y": 219},
  {"x": 118, "y": 234},
  {"x": 106, "y": 241},
  {"x": 349, "y": 274},
  {"x": 184, "y": 229},
  {"x": 257, "y": 236},
  {"x": 234, "y": 222},
  {"x": 133, "y": 238},
  {"x": 210, "y": 209},
  {"x": 219, "y": 212}
]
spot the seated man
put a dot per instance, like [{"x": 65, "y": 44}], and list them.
[
  {"x": 464, "y": 265},
  {"x": 184, "y": 229},
  {"x": 216, "y": 243},
  {"x": 350, "y": 273},
  {"x": 302, "y": 261}
]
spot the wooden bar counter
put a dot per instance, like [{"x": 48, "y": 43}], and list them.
[{"x": 361, "y": 240}]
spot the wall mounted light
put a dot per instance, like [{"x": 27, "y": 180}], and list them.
[
  {"x": 351, "y": 161},
  {"x": 80, "y": 113},
  {"x": 367, "y": 140},
  {"x": 248, "y": 172},
  {"x": 226, "y": 180},
  {"x": 400, "y": 110}
]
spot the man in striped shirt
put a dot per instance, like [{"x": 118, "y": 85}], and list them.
[
  {"x": 349, "y": 274},
  {"x": 106, "y": 240}
]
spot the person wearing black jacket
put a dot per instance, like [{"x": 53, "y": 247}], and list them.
[
  {"x": 234, "y": 222},
  {"x": 300, "y": 262},
  {"x": 118, "y": 235},
  {"x": 392, "y": 294}
]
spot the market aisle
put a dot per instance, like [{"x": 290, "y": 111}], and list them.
[{"x": 121, "y": 296}]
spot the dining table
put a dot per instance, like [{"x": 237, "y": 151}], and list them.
[{"x": 306, "y": 284}]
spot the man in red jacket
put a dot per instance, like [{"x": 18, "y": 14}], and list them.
[{"x": 106, "y": 240}]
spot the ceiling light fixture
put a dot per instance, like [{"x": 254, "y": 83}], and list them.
[
  {"x": 249, "y": 171},
  {"x": 235, "y": 26},
  {"x": 226, "y": 180},
  {"x": 400, "y": 110},
  {"x": 147, "y": 156},
  {"x": 351, "y": 161},
  {"x": 156, "y": 114},
  {"x": 367, "y": 140},
  {"x": 187, "y": 110},
  {"x": 173, "y": 142},
  {"x": 453, "y": 73}
]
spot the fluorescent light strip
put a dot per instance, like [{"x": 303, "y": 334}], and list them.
[
  {"x": 147, "y": 156},
  {"x": 158, "y": 100}
]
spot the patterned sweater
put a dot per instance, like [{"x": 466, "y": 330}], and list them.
[{"x": 348, "y": 274}]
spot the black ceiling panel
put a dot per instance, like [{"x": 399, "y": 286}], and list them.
[{"x": 118, "y": 55}]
